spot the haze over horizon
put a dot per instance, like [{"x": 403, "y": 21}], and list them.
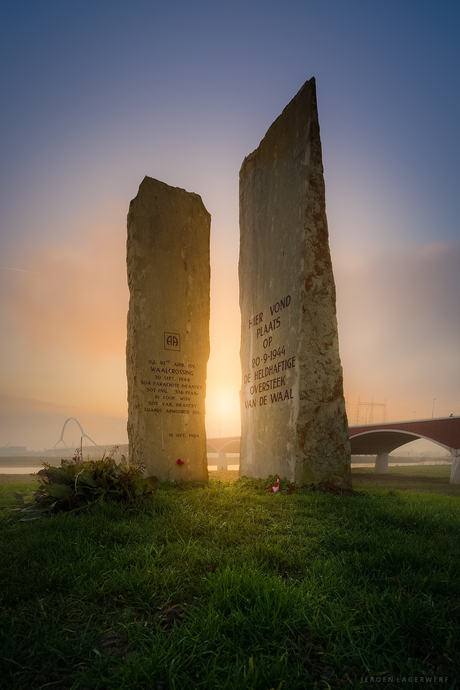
[{"x": 96, "y": 96}]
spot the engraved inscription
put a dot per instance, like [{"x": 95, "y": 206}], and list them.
[
  {"x": 170, "y": 388},
  {"x": 274, "y": 378}
]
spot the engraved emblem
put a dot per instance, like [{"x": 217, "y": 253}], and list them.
[{"x": 172, "y": 341}]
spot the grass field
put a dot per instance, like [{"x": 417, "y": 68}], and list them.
[
  {"x": 230, "y": 587},
  {"x": 421, "y": 479}
]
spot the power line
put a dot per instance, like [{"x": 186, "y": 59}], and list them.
[{"x": 370, "y": 405}]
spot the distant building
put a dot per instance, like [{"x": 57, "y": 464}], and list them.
[{"x": 13, "y": 450}]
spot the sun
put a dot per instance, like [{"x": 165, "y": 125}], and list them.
[
  {"x": 223, "y": 412},
  {"x": 226, "y": 403}
]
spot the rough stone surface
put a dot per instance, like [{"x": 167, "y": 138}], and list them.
[
  {"x": 168, "y": 330},
  {"x": 292, "y": 405}
]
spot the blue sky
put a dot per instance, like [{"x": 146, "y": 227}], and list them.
[{"x": 96, "y": 95}]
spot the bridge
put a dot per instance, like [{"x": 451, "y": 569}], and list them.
[
  {"x": 222, "y": 446},
  {"x": 379, "y": 440},
  {"x": 83, "y": 435}
]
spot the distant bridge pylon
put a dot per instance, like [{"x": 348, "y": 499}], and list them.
[
  {"x": 81, "y": 429},
  {"x": 370, "y": 405}
]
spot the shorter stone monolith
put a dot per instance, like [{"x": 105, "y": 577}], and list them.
[{"x": 168, "y": 330}]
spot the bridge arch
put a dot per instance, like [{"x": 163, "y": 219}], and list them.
[
  {"x": 376, "y": 441},
  {"x": 231, "y": 445},
  {"x": 83, "y": 435},
  {"x": 381, "y": 439}
]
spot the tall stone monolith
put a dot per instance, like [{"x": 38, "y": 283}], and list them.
[
  {"x": 292, "y": 405},
  {"x": 168, "y": 330}
]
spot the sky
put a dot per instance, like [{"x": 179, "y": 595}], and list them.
[{"x": 96, "y": 95}]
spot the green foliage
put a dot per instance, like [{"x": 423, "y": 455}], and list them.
[
  {"x": 262, "y": 486},
  {"x": 76, "y": 484}
]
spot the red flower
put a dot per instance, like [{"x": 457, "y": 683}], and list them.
[{"x": 180, "y": 462}]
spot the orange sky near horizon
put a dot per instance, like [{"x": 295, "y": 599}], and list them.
[
  {"x": 67, "y": 318},
  {"x": 95, "y": 99}
]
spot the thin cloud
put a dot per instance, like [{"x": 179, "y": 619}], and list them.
[{"x": 20, "y": 270}]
